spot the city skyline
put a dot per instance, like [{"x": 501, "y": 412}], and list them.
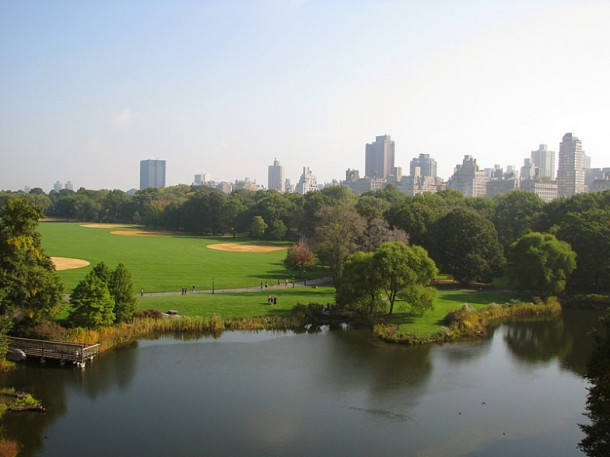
[{"x": 223, "y": 87}]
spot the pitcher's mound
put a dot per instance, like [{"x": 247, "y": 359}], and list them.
[
  {"x": 66, "y": 263},
  {"x": 235, "y": 247}
]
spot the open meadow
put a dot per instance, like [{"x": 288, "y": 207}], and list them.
[
  {"x": 166, "y": 262},
  {"x": 162, "y": 261}
]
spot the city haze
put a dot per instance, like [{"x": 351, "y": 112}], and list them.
[{"x": 224, "y": 88}]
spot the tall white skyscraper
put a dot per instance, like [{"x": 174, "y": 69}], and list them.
[
  {"x": 571, "y": 172},
  {"x": 307, "y": 183},
  {"x": 152, "y": 173},
  {"x": 275, "y": 178},
  {"x": 544, "y": 160},
  {"x": 379, "y": 158}
]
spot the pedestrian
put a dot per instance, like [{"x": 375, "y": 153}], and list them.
[
  {"x": 275, "y": 300},
  {"x": 193, "y": 287},
  {"x": 286, "y": 281},
  {"x": 142, "y": 292},
  {"x": 266, "y": 285},
  {"x": 261, "y": 284}
]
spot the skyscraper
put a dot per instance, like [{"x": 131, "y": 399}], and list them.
[
  {"x": 275, "y": 178},
  {"x": 379, "y": 158},
  {"x": 152, "y": 173},
  {"x": 426, "y": 164},
  {"x": 570, "y": 173},
  {"x": 544, "y": 160},
  {"x": 307, "y": 182},
  {"x": 468, "y": 179}
]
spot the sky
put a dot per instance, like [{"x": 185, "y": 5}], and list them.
[{"x": 89, "y": 89}]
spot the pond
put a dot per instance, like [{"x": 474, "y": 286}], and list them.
[{"x": 330, "y": 393}]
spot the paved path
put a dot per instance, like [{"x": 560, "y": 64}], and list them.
[{"x": 274, "y": 286}]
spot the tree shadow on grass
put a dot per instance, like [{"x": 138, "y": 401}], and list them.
[{"x": 483, "y": 297}]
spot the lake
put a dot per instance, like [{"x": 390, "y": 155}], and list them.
[{"x": 329, "y": 393}]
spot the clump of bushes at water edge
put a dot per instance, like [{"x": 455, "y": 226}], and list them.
[{"x": 467, "y": 322}]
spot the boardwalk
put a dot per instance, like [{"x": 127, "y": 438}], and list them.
[{"x": 76, "y": 353}]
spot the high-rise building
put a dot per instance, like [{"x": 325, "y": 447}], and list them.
[
  {"x": 379, "y": 158},
  {"x": 426, "y": 164},
  {"x": 152, "y": 173},
  {"x": 468, "y": 179},
  {"x": 570, "y": 173},
  {"x": 544, "y": 160},
  {"x": 275, "y": 178},
  {"x": 307, "y": 183}
]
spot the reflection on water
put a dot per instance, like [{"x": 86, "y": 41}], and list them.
[{"x": 335, "y": 392}]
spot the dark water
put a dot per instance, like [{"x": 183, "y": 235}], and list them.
[{"x": 333, "y": 393}]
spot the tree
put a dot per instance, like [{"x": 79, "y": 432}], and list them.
[
  {"x": 378, "y": 231},
  {"x": 465, "y": 244},
  {"x": 400, "y": 267},
  {"x": 30, "y": 289},
  {"x": 337, "y": 235},
  {"x": 541, "y": 263},
  {"x": 597, "y": 440},
  {"x": 277, "y": 231},
  {"x": 588, "y": 233},
  {"x": 91, "y": 305},
  {"x": 123, "y": 291},
  {"x": 300, "y": 257},
  {"x": 258, "y": 227},
  {"x": 516, "y": 214},
  {"x": 359, "y": 286}
]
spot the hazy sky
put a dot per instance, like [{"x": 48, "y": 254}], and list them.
[{"x": 88, "y": 89}]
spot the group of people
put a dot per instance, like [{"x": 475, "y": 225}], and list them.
[
  {"x": 185, "y": 289},
  {"x": 272, "y": 300}
]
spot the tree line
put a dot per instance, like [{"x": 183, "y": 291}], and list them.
[{"x": 469, "y": 238}]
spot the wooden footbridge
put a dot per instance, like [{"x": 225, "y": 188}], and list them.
[{"x": 77, "y": 353}]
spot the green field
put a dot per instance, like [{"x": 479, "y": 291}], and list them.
[
  {"x": 163, "y": 263},
  {"x": 167, "y": 263}
]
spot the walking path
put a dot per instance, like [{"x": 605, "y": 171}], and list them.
[{"x": 290, "y": 285}]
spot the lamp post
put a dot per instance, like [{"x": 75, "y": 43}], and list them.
[{"x": 212, "y": 285}]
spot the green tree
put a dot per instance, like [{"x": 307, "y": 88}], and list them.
[
  {"x": 257, "y": 227},
  {"x": 359, "y": 286},
  {"x": 277, "y": 231},
  {"x": 123, "y": 291},
  {"x": 91, "y": 305},
  {"x": 516, "y": 214},
  {"x": 400, "y": 267},
  {"x": 541, "y": 263},
  {"x": 30, "y": 289},
  {"x": 300, "y": 258},
  {"x": 465, "y": 245},
  {"x": 596, "y": 443},
  {"x": 588, "y": 233}
]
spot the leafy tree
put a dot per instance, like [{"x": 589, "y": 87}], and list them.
[
  {"x": 371, "y": 207},
  {"x": 300, "y": 258},
  {"x": 541, "y": 263},
  {"x": 597, "y": 440},
  {"x": 416, "y": 215},
  {"x": 91, "y": 304},
  {"x": 337, "y": 235},
  {"x": 465, "y": 245},
  {"x": 359, "y": 286},
  {"x": 401, "y": 267},
  {"x": 516, "y": 214},
  {"x": 589, "y": 235},
  {"x": 419, "y": 297},
  {"x": 123, "y": 291},
  {"x": 102, "y": 271},
  {"x": 277, "y": 231},
  {"x": 258, "y": 227},
  {"x": 30, "y": 289}
]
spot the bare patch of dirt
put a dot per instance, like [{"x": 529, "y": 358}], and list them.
[
  {"x": 140, "y": 233},
  {"x": 107, "y": 226},
  {"x": 235, "y": 247},
  {"x": 66, "y": 263}
]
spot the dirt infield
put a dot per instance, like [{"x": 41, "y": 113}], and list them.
[
  {"x": 66, "y": 263},
  {"x": 235, "y": 247},
  {"x": 140, "y": 233},
  {"x": 107, "y": 226}
]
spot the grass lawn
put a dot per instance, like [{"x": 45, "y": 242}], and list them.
[
  {"x": 447, "y": 300},
  {"x": 163, "y": 263},
  {"x": 251, "y": 304}
]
